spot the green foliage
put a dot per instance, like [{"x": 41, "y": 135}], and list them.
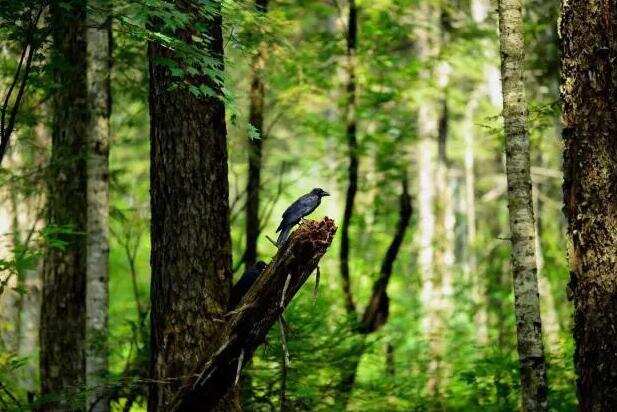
[{"x": 304, "y": 146}]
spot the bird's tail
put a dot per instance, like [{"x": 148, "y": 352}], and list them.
[{"x": 283, "y": 236}]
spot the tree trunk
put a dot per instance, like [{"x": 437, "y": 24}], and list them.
[
  {"x": 526, "y": 300},
  {"x": 62, "y": 333},
  {"x": 26, "y": 221},
  {"x": 8, "y": 298},
  {"x": 428, "y": 121},
  {"x": 97, "y": 299},
  {"x": 441, "y": 304},
  {"x": 256, "y": 120},
  {"x": 352, "y": 148},
  {"x": 191, "y": 242},
  {"x": 589, "y": 94},
  {"x": 478, "y": 284},
  {"x": 377, "y": 310}
]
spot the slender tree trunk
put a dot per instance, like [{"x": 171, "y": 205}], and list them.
[
  {"x": 390, "y": 360},
  {"x": 62, "y": 329},
  {"x": 527, "y": 305},
  {"x": 547, "y": 301},
  {"x": 377, "y": 310},
  {"x": 97, "y": 296},
  {"x": 26, "y": 221},
  {"x": 191, "y": 242},
  {"x": 352, "y": 148},
  {"x": 428, "y": 116},
  {"x": 441, "y": 304},
  {"x": 256, "y": 120},
  {"x": 589, "y": 94},
  {"x": 8, "y": 298},
  {"x": 478, "y": 285}
]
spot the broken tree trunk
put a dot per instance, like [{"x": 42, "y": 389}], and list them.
[{"x": 246, "y": 327}]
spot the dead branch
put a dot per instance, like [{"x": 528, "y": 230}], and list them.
[{"x": 245, "y": 330}]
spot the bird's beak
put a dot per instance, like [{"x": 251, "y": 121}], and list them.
[{"x": 325, "y": 193}]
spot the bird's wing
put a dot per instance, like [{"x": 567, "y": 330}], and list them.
[{"x": 300, "y": 208}]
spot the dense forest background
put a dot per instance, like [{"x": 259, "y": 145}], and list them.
[{"x": 370, "y": 100}]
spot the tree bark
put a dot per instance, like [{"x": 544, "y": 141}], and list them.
[
  {"x": 97, "y": 295},
  {"x": 256, "y": 120},
  {"x": 589, "y": 95},
  {"x": 245, "y": 328},
  {"x": 352, "y": 148},
  {"x": 62, "y": 333},
  {"x": 526, "y": 300},
  {"x": 440, "y": 304},
  {"x": 428, "y": 126},
  {"x": 191, "y": 242}
]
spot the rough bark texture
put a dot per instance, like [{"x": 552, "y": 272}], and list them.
[
  {"x": 245, "y": 328},
  {"x": 191, "y": 245},
  {"x": 352, "y": 148},
  {"x": 589, "y": 93},
  {"x": 97, "y": 306},
  {"x": 62, "y": 334},
  {"x": 256, "y": 120},
  {"x": 526, "y": 300}
]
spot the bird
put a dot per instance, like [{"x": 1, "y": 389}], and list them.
[
  {"x": 304, "y": 206},
  {"x": 244, "y": 284}
]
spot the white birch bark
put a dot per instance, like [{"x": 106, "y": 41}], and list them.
[
  {"x": 99, "y": 32},
  {"x": 527, "y": 304}
]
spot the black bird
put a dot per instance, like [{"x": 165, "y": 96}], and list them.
[
  {"x": 244, "y": 284},
  {"x": 304, "y": 206}
]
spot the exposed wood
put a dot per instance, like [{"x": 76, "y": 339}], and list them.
[{"x": 246, "y": 327}]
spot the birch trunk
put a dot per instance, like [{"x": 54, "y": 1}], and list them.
[
  {"x": 191, "y": 241},
  {"x": 97, "y": 295},
  {"x": 428, "y": 37},
  {"x": 25, "y": 211},
  {"x": 8, "y": 298},
  {"x": 526, "y": 301},
  {"x": 62, "y": 329},
  {"x": 352, "y": 148},
  {"x": 589, "y": 95}
]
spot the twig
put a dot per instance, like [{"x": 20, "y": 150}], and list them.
[
  {"x": 239, "y": 368},
  {"x": 13, "y": 398},
  {"x": 317, "y": 276},
  {"x": 6, "y": 128},
  {"x": 218, "y": 352},
  {"x": 284, "y": 341},
  {"x": 271, "y": 241},
  {"x": 285, "y": 290},
  {"x": 285, "y": 365}
]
